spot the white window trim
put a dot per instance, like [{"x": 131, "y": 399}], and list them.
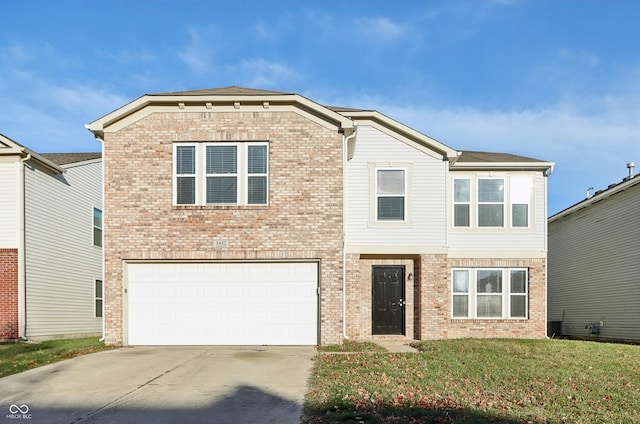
[
  {"x": 506, "y": 294},
  {"x": 469, "y": 203},
  {"x": 373, "y": 188},
  {"x": 507, "y": 204},
  {"x": 242, "y": 174}
]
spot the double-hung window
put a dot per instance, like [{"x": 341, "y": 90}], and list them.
[
  {"x": 390, "y": 194},
  {"x": 461, "y": 202},
  {"x": 488, "y": 293},
  {"x": 98, "y": 299},
  {"x": 97, "y": 227},
  {"x": 221, "y": 173},
  {"x": 490, "y": 202}
]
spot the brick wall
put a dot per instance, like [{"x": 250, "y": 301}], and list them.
[
  {"x": 302, "y": 221},
  {"x": 8, "y": 294}
]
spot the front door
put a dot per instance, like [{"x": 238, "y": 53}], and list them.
[{"x": 388, "y": 299}]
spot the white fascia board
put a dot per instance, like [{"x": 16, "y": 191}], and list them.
[
  {"x": 596, "y": 198},
  {"x": 405, "y": 131},
  {"x": 213, "y": 103}
]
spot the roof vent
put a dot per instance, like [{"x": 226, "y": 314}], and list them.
[{"x": 630, "y": 167}]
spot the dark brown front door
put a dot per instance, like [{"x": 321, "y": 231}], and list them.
[{"x": 388, "y": 299}]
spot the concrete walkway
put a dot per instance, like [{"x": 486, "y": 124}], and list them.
[
  {"x": 397, "y": 346},
  {"x": 164, "y": 385}
]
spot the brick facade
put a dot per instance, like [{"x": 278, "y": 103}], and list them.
[
  {"x": 8, "y": 294},
  {"x": 428, "y": 297},
  {"x": 302, "y": 221}
]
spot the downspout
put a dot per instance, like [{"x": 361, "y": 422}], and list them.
[
  {"x": 22, "y": 268},
  {"x": 547, "y": 173},
  {"x": 345, "y": 159},
  {"x": 104, "y": 292}
]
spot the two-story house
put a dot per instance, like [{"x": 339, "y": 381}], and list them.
[
  {"x": 50, "y": 243},
  {"x": 243, "y": 216}
]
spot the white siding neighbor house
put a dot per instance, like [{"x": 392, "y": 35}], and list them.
[
  {"x": 246, "y": 216},
  {"x": 50, "y": 243},
  {"x": 594, "y": 265}
]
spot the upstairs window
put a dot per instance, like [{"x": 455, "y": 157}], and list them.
[
  {"x": 97, "y": 227},
  {"x": 492, "y": 202},
  {"x": 390, "y": 194},
  {"x": 221, "y": 173}
]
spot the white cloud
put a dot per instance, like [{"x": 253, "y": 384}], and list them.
[
  {"x": 380, "y": 28},
  {"x": 198, "y": 54},
  {"x": 261, "y": 73}
]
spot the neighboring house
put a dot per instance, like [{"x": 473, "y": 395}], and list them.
[
  {"x": 594, "y": 265},
  {"x": 50, "y": 243},
  {"x": 242, "y": 216}
]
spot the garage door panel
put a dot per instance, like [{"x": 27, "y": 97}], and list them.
[{"x": 215, "y": 303}]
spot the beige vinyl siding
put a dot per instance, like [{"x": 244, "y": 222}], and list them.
[
  {"x": 10, "y": 195},
  {"x": 532, "y": 239},
  {"x": 426, "y": 193},
  {"x": 594, "y": 267},
  {"x": 61, "y": 262}
]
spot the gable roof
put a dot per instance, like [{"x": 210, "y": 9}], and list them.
[
  {"x": 232, "y": 90},
  {"x": 12, "y": 147}
]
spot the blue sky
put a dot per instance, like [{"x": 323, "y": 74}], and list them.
[{"x": 553, "y": 80}]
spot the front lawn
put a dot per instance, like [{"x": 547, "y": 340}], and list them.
[
  {"x": 18, "y": 357},
  {"x": 478, "y": 381}
]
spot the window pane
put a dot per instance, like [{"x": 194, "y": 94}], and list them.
[
  {"x": 489, "y": 306},
  {"x": 518, "y": 306},
  {"x": 461, "y": 215},
  {"x": 491, "y": 190},
  {"x": 518, "y": 281},
  {"x": 257, "y": 160},
  {"x": 489, "y": 281},
  {"x": 97, "y": 237},
  {"x": 460, "y": 306},
  {"x": 391, "y": 208},
  {"x": 461, "y": 191},
  {"x": 390, "y": 182},
  {"x": 222, "y": 190},
  {"x": 520, "y": 215},
  {"x": 257, "y": 190},
  {"x": 222, "y": 160},
  {"x": 98, "y": 308},
  {"x": 490, "y": 216},
  {"x": 460, "y": 281},
  {"x": 97, "y": 218},
  {"x": 186, "y": 160},
  {"x": 99, "y": 289},
  {"x": 186, "y": 187}
]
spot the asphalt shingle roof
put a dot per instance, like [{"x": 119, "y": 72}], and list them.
[{"x": 67, "y": 158}]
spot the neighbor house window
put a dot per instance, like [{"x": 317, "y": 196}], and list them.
[
  {"x": 98, "y": 298},
  {"x": 97, "y": 227},
  {"x": 489, "y": 293},
  {"x": 224, "y": 173},
  {"x": 390, "y": 194}
]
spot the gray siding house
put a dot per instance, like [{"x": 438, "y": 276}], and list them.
[
  {"x": 50, "y": 243},
  {"x": 594, "y": 265}
]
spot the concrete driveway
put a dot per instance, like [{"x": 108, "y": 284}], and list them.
[{"x": 163, "y": 385}]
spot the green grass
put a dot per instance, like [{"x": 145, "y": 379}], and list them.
[
  {"x": 18, "y": 357},
  {"x": 478, "y": 381}
]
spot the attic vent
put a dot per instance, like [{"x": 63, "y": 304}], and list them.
[{"x": 630, "y": 167}]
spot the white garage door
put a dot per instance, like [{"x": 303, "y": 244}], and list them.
[{"x": 222, "y": 303}]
